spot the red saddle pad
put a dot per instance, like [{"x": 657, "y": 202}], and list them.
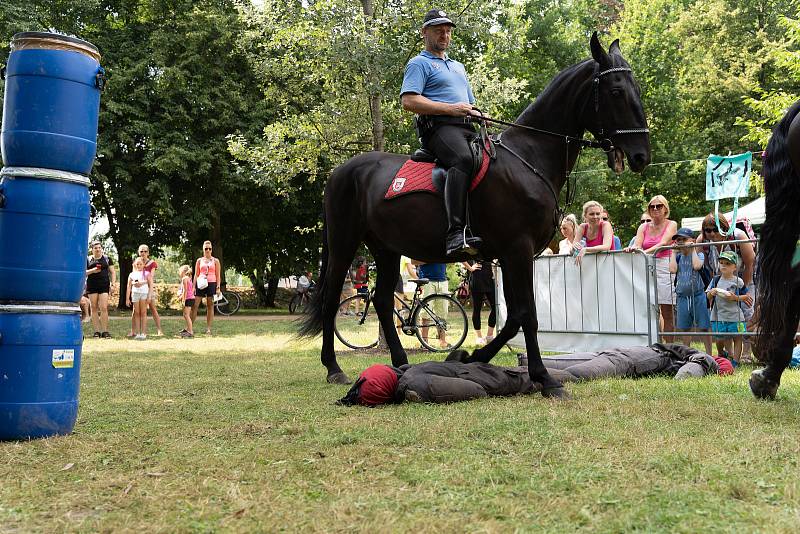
[{"x": 417, "y": 177}]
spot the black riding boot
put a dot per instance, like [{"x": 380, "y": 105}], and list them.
[{"x": 455, "y": 203}]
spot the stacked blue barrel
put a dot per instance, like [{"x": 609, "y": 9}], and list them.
[{"x": 48, "y": 141}]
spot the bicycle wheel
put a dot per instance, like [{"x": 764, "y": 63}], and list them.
[
  {"x": 355, "y": 325},
  {"x": 229, "y": 304},
  {"x": 441, "y": 323},
  {"x": 295, "y": 303}
]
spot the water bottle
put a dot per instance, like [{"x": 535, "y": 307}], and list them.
[{"x": 583, "y": 244}]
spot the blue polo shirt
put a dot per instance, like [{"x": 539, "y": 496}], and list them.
[
  {"x": 436, "y": 272},
  {"x": 440, "y": 80}
]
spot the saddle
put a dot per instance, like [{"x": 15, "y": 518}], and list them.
[{"x": 422, "y": 174}]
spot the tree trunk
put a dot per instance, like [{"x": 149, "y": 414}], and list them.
[
  {"x": 216, "y": 243},
  {"x": 378, "y": 140},
  {"x": 125, "y": 267},
  {"x": 373, "y": 83},
  {"x": 272, "y": 290},
  {"x": 382, "y": 344},
  {"x": 257, "y": 280}
]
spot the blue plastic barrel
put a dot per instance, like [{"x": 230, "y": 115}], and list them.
[
  {"x": 52, "y": 100},
  {"x": 40, "y": 361},
  {"x": 44, "y": 229}
]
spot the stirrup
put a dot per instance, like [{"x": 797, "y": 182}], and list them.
[{"x": 469, "y": 245}]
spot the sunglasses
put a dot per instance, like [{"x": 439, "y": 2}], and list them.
[
  {"x": 710, "y": 231},
  {"x": 646, "y": 220},
  {"x": 655, "y": 206},
  {"x": 209, "y": 248}
]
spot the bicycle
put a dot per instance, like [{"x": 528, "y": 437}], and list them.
[
  {"x": 300, "y": 300},
  {"x": 228, "y": 303},
  {"x": 439, "y": 316}
]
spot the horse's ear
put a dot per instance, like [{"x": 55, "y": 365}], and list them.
[
  {"x": 598, "y": 53},
  {"x": 614, "y": 48}
]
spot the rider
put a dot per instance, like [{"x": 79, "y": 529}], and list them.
[{"x": 436, "y": 88}]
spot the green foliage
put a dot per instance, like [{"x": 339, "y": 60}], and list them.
[{"x": 223, "y": 118}]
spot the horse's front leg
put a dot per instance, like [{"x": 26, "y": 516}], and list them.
[
  {"x": 764, "y": 383},
  {"x": 509, "y": 330},
  {"x": 520, "y": 270}
]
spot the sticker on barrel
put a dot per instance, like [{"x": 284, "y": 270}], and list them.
[{"x": 63, "y": 358}]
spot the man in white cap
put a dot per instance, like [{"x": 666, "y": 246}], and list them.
[{"x": 435, "y": 87}]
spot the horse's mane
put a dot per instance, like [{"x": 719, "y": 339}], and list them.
[
  {"x": 779, "y": 236},
  {"x": 555, "y": 86}
]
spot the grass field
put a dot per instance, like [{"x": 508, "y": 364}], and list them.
[{"x": 237, "y": 433}]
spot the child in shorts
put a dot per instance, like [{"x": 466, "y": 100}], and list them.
[
  {"x": 692, "y": 306},
  {"x": 725, "y": 292},
  {"x": 139, "y": 287},
  {"x": 186, "y": 292}
]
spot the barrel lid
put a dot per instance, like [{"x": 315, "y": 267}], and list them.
[
  {"x": 45, "y": 174},
  {"x": 66, "y": 308},
  {"x": 53, "y": 41}
]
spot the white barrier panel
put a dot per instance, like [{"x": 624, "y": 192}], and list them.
[{"x": 607, "y": 301}]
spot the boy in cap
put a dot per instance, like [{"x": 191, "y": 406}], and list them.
[
  {"x": 725, "y": 293},
  {"x": 692, "y": 312}
]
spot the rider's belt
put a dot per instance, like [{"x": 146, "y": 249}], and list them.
[{"x": 427, "y": 122}]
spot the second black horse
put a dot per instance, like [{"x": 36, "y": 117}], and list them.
[{"x": 514, "y": 209}]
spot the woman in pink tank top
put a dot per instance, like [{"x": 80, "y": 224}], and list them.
[
  {"x": 210, "y": 269},
  {"x": 649, "y": 237},
  {"x": 598, "y": 233}
]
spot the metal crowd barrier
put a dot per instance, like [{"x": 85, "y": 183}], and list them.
[
  {"x": 606, "y": 301},
  {"x": 609, "y": 300}
]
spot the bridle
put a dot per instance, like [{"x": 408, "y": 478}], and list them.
[{"x": 600, "y": 131}]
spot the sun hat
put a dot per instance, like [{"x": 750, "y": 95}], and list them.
[
  {"x": 683, "y": 232},
  {"x": 436, "y": 17},
  {"x": 730, "y": 256}
]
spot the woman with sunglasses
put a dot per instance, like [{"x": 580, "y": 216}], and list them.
[
  {"x": 209, "y": 269},
  {"x": 649, "y": 237},
  {"x": 645, "y": 218}
]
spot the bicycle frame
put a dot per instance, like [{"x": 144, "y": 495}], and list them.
[{"x": 406, "y": 322}]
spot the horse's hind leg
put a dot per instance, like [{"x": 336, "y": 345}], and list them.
[
  {"x": 764, "y": 382},
  {"x": 338, "y": 264},
  {"x": 388, "y": 266}
]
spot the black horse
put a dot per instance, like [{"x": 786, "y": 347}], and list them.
[
  {"x": 779, "y": 280},
  {"x": 514, "y": 209}
]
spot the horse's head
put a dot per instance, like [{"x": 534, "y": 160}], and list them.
[{"x": 615, "y": 115}]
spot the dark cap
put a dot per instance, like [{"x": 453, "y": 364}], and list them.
[
  {"x": 683, "y": 232},
  {"x": 436, "y": 17}
]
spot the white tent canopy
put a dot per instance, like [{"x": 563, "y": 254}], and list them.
[{"x": 753, "y": 211}]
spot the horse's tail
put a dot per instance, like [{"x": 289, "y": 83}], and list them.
[
  {"x": 311, "y": 322},
  {"x": 779, "y": 236}
]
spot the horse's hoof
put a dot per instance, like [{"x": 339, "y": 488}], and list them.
[
  {"x": 558, "y": 393},
  {"x": 459, "y": 355},
  {"x": 339, "y": 378},
  {"x": 761, "y": 386}
]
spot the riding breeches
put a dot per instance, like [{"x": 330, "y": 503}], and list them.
[{"x": 450, "y": 143}]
